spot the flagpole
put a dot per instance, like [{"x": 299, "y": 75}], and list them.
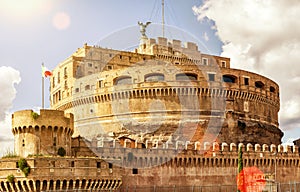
[{"x": 43, "y": 89}]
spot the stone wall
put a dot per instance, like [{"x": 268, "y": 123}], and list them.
[
  {"x": 42, "y": 133},
  {"x": 54, "y": 173},
  {"x": 197, "y": 164},
  {"x": 213, "y": 96}
]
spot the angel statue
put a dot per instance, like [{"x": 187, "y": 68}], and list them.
[{"x": 143, "y": 28}]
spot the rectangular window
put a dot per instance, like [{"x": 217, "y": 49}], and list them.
[
  {"x": 54, "y": 141},
  {"x": 52, "y": 163},
  {"x": 100, "y": 84},
  {"x": 72, "y": 164},
  {"x": 109, "y": 67},
  {"x": 246, "y": 80},
  {"x": 65, "y": 72},
  {"x": 135, "y": 171},
  {"x": 98, "y": 164},
  {"x": 53, "y": 81},
  {"x": 110, "y": 165},
  {"x": 90, "y": 65},
  {"x": 211, "y": 77},
  {"x": 66, "y": 85},
  {"x": 58, "y": 77},
  {"x": 204, "y": 61},
  {"x": 59, "y": 96},
  {"x": 223, "y": 64}
]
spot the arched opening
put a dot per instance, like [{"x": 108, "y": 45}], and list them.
[
  {"x": 31, "y": 185},
  {"x": 124, "y": 80},
  {"x": 44, "y": 187},
  {"x": 259, "y": 84},
  {"x": 154, "y": 77},
  {"x": 71, "y": 184},
  {"x": 38, "y": 185},
  {"x": 229, "y": 78},
  {"x": 57, "y": 185},
  {"x": 51, "y": 185},
  {"x": 186, "y": 77},
  {"x": 64, "y": 186}
]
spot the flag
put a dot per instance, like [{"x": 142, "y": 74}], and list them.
[{"x": 46, "y": 72}]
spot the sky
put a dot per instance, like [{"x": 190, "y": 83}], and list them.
[{"x": 259, "y": 36}]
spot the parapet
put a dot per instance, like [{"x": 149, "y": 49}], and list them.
[
  {"x": 162, "y": 42},
  {"x": 47, "y": 117},
  {"x": 205, "y": 146}
]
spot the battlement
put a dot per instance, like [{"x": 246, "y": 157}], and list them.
[
  {"x": 47, "y": 117},
  {"x": 195, "y": 146},
  {"x": 164, "y": 46},
  {"x": 49, "y": 131},
  {"x": 106, "y": 148},
  {"x": 57, "y": 173}
]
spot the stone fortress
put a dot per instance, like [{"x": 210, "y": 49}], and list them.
[{"x": 163, "y": 115}]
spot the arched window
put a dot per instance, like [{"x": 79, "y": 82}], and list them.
[
  {"x": 259, "y": 84},
  {"x": 229, "y": 78},
  {"x": 186, "y": 77},
  {"x": 154, "y": 77},
  {"x": 123, "y": 80}
]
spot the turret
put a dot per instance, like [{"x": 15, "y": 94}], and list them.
[{"x": 43, "y": 133}]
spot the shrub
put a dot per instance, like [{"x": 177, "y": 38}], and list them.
[
  {"x": 10, "y": 178},
  {"x": 23, "y": 166},
  {"x": 61, "y": 151},
  {"x": 22, "y": 163},
  {"x": 34, "y": 115},
  {"x": 26, "y": 171}
]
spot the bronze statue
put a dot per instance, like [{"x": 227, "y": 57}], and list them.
[{"x": 143, "y": 28}]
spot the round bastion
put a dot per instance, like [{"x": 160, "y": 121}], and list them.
[
  {"x": 165, "y": 91},
  {"x": 42, "y": 133}
]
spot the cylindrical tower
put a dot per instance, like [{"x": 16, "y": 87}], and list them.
[
  {"x": 165, "y": 91},
  {"x": 42, "y": 133}
]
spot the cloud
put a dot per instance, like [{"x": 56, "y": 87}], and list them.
[
  {"x": 8, "y": 78},
  {"x": 6, "y": 136},
  {"x": 263, "y": 37}
]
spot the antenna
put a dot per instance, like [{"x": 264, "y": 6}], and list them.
[{"x": 163, "y": 17}]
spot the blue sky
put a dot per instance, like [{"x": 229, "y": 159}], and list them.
[{"x": 35, "y": 32}]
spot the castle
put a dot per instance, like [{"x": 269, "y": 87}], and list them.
[{"x": 163, "y": 115}]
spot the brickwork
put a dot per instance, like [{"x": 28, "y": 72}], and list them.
[
  {"x": 109, "y": 94},
  {"x": 42, "y": 133},
  {"x": 54, "y": 173}
]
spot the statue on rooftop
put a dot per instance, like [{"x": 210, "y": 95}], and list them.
[{"x": 143, "y": 28}]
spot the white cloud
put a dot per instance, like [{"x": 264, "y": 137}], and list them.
[
  {"x": 8, "y": 78},
  {"x": 6, "y": 136},
  {"x": 263, "y": 37}
]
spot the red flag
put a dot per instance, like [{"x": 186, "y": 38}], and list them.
[{"x": 46, "y": 72}]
